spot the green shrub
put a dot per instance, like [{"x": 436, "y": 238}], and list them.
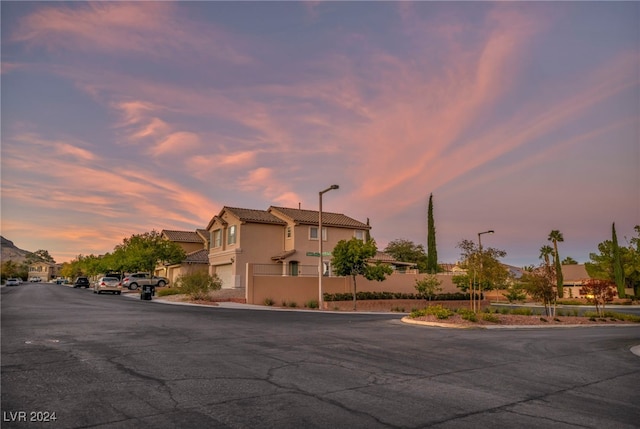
[
  {"x": 467, "y": 314},
  {"x": 398, "y": 309},
  {"x": 293, "y": 304},
  {"x": 268, "y": 302},
  {"x": 542, "y": 319},
  {"x": 491, "y": 318},
  {"x": 522, "y": 311},
  {"x": 168, "y": 291},
  {"x": 198, "y": 284},
  {"x": 437, "y": 310},
  {"x": 312, "y": 303}
]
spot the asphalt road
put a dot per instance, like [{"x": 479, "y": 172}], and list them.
[{"x": 116, "y": 362}]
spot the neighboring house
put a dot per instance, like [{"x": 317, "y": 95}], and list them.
[
  {"x": 399, "y": 266},
  {"x": 196, "y": 246},
  {"x": 573, "y": 277},
  {"x": 44, "y": 270},
  {"x": 280, "y": 240}
]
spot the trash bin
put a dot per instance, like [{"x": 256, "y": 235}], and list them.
[{"x": 146, "y": 293}]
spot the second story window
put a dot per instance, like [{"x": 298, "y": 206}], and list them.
[
  {"x": 288, "y": 232},
  {"x": 313, "y": 233},
  {"x": 359, "y": 234},
  {"x": 217, "y": 238},
  {"x": 231, "y": 235}
]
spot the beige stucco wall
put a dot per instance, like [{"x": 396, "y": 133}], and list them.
[
  {"x": 304, "y": 289},
  {"x": 301, "y": 242}
]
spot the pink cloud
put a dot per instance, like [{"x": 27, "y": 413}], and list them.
[{"x": 154, "y": 28}]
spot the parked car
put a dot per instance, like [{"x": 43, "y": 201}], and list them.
[
  {"x": 82, "y": 282},
  {"x": 135, "y": 280},
  {"x": 13, "y": 282},
  {"x": 35, "y": 279},
  {"x": 108, "y": 284}
]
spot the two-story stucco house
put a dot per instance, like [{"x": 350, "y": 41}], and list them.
[
  {"x": 196, "y": 246},
  {"x": 281, "y": 240}
]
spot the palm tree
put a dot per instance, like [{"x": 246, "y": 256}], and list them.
[
  {"x": 545, "y": 252},
  {"x": 555, "y": 236}
]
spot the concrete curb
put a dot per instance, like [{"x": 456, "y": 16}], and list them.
[{"x": 411, "y": 321}]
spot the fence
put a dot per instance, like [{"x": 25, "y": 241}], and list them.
[{"x": 285, "y": 270}]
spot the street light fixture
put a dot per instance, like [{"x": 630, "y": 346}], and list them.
[
  {"x": 321, "y": 264},
  {"x": 480, "y": 274}
]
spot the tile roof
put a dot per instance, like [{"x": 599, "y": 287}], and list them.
[
  {"x": 198, "y": 257},
  {"x": 310, "y": 217},
  {"x": 255, "y": 216},
  {"x": 182, "y": 236},
  {"x": 283, "y": 255}
]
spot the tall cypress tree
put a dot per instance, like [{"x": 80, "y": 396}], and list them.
[
  {"x": 618, "y": 272},
  {"x": 432, "y": 252}
]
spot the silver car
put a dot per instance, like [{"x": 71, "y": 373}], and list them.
[
  {"x": 13, "y": 282},
  {"x": 108, "y": 284}
]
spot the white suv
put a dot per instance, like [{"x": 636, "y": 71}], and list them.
[{"x": 133, "y": 281}]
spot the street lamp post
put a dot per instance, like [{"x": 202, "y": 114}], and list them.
[
  {"x": 480, "y": 254},
  {"x": 321, "y": 263}
]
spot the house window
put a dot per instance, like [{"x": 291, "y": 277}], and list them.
[
  {"x": 313, "y": 233},
  {"x": 231, "y": 235},
  {"x": 289, "y": 232},
  {"x": 359, "y": 234},
  {"x": 217, "y": 238}
]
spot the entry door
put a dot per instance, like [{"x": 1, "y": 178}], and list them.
[{"x": 293, "y": 268}]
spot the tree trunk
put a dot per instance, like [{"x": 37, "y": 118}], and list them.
[{"x": 354, "y": 292}]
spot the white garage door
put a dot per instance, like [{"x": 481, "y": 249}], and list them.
[{"x": 225, "y": 273}]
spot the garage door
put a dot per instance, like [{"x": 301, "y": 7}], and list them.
[{"x": 225, "y": 273}]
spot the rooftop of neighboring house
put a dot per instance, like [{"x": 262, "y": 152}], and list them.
[
  {"x": 574, "y": 272},
  {"x": 310, "y": 217},
  {"x": 198, "y": 257},
  {"x": 182, "y": 236}
]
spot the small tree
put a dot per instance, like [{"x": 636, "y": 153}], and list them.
[
  {"x": 351, "y": 258},
  {"x": 144, "y": 251},
  {"x": 407, "y": 251},
  {"x": 539, "y": 283},
  {"x": 516, "y": 292},
  {"x": 428, "y": 286},
  {"x": 598, "y": 293},
  {"x": 198, "y": 284}
]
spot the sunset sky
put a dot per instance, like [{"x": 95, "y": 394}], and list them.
[{"x": 119, "y": 118}]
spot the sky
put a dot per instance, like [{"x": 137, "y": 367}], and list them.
[{"x": 120, "y": 118}]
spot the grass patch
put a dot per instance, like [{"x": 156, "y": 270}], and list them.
[{"x": 268, "y": 302}]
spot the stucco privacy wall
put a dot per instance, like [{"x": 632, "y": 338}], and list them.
[{"x": 304, "y": 289}]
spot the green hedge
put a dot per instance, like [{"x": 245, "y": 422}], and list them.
[{"x": 366, "y": 296}]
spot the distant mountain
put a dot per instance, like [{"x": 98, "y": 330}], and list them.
[{"x": 11, "y": 252}]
